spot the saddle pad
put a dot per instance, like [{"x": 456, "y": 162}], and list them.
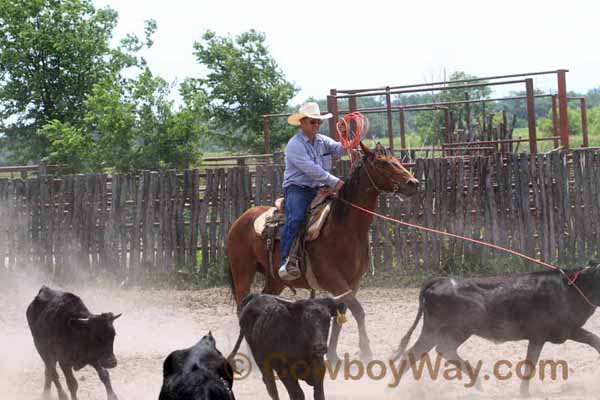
[
  {"x": 317, "y": 221},
  {"x": 260, "y": 222},
  {"x": 315, "y": 224}
]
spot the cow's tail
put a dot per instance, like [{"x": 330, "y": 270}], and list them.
[
  {"x": 247, "y": 299},
  {"x": 404, "y": 342},
  {"x": 237, "y": 344}
]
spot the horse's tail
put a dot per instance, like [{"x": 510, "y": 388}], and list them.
[
  {"x": 229, "y": 279},
  {"x": 404, "y": 342}
]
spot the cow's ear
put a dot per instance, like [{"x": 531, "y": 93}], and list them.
[
  {"x": 211, "y": 340},
  {"x": 333, "y": 306},
  {"x": 341, "y": 308},
  {"x": 169, "y": 366}
]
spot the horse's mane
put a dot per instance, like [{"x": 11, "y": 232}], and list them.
[{"x": 348, "y": 192}]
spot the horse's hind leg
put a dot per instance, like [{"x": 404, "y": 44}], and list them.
[
  {"x": 242, "y": 275},
  {"x": 241, "y": 252}
]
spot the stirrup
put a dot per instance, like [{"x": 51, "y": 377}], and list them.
[{"x": 289, "y": 270}]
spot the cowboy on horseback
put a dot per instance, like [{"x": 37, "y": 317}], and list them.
[{"x": 308, "y": 160}]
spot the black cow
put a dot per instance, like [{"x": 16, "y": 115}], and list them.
[
  {"x": 65, "y": 331},
  {"x": 289, "y": 338},
  {"x": 197, "y": 373},
  {"x": 537, "y": 306}
]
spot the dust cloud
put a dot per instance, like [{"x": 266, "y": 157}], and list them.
[{"x": 156, "y": 322}]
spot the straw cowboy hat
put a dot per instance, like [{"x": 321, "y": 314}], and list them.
[{"x": 310, "y": 110}]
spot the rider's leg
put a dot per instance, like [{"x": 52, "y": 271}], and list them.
[{"x": 297, "y": 201}]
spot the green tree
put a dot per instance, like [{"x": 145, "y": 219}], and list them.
[
  {"x": 410, "y": 118},
  {"x": 130, "y": 124},
  {"x": 51, "y": 54},
  {"x": 593, "y": 97},
  {"x": 429, "y": 123},
  {"x": 573, "y": 116},
  {"x": 69, "y": 146},
  {"x": 243, "y": 83},
  {"x": 519, "y": 107},
  {"x": 593, "y": 115}
]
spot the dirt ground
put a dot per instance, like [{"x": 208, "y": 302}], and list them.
[{"x": 156, "y": 322}]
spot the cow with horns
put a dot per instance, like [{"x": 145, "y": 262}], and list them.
[{"x": 65, "y": 331}]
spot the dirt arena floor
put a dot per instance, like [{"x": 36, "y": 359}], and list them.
[{"x": 156, "y": 322}]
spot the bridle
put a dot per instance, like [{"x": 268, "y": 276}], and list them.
[{"x": 396, "y": 183}]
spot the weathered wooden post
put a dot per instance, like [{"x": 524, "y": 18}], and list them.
[
  {"x": 562, "y": 108},
  {"x": 531, "y": 115}
]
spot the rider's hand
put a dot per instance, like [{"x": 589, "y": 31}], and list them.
[{"x": 338, "y": 187}]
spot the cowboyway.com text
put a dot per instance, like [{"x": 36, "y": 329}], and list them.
[{"x": 419, "y": 368}]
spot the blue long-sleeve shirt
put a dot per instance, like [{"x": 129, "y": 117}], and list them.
[{"x": 309, "y": 164}]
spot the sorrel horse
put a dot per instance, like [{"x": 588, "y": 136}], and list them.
[{"x": 340, "y": 255}]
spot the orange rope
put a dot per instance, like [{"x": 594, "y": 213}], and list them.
[
  {"x": 348, "y": 138},
  {"x": 571, "y": 282}
]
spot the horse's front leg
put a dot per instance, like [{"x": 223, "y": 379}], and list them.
[
  {"x": 332, "y": 355},
  {"x": 358, "y": 312}
]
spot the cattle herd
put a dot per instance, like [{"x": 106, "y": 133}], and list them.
[{"x": 546, "y": 306}]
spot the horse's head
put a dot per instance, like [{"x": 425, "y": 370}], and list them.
[{"x": 386, "y": 173}]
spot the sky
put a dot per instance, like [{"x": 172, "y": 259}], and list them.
[{"x": 326, "y": 44}]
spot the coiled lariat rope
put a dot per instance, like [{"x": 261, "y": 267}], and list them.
[{"x": 349, "y": 137}]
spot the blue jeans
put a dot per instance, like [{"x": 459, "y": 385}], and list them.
[{"x": 297, "y": 200}]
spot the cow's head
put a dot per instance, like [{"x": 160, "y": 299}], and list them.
[
  {"x": 95, "y": 337},
  {"x": 193, "y": 372},
  {"x": 314, "y": 320}
]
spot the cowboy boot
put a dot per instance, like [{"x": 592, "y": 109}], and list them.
[{"x": 290, "y": 269}]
